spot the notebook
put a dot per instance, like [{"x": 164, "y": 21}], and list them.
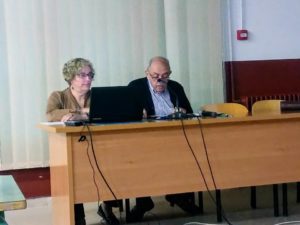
[{"x": 114, "y": 104}]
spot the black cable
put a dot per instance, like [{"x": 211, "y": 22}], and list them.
[
  {"x": 102, "y": 175},
  {"x": 198, "y": 165},
  {"x": 210, "y": 169},
  {"x": 206, "y": 153},
  {"x": 83, "y": 138},
  {"x": 96, "y": 162},
  {"x": 194, "y": 156}
]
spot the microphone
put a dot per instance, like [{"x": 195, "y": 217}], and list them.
[
  {"x": 212, "y": 114},
  {"x": 177, "y": 114}
]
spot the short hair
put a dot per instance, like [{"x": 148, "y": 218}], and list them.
[
  {"x": 160, "y": 59},
  {"x": 73, "y": 67}
]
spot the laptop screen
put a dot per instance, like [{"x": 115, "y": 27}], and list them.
[{"x": 114, "y": 104}]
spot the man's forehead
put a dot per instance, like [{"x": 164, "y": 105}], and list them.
[{"x": 159, "y": 66}]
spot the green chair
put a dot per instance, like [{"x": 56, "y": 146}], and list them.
[
  {"x": 11, "y": 197},
  {"x": 2, "y": 219}
]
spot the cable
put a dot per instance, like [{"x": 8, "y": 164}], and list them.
[
  {"x": 101, "y": 173},
  {"x": 194, "y": 156},
  {"x": 96, "y": 162},
  {"x": 212, "y": 176},
  {"x": 198, "y": 165},
  {"x": 83, "y": 138},
  {"x": 206, "y": 153}
]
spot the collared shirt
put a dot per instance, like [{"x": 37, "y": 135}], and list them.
[{"x": 162, "y": 102}]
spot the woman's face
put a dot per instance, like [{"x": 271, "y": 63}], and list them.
[{"x": 83, "y": 80}]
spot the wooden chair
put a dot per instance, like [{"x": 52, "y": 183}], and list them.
[
  {"x": 272, "y": 107},
  {"x": 233, "y": 110}
]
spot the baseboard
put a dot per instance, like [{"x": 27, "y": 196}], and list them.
[{"x": 33, "y": 182}]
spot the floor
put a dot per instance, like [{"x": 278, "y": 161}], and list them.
[{"x": 235, "y": 205}]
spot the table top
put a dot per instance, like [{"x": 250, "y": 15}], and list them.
[
  {"x": 55, "y": 127},
  {"x": 11, "y": 197}
]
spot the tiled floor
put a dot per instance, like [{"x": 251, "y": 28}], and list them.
[{"x": 235, "y": 204}]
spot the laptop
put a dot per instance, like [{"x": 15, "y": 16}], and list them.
[{"x": 114, "y": 104}]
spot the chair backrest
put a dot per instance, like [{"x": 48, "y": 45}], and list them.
[
  {"x": 266, "y": 107},
  {"x": 232, "y": 109}
]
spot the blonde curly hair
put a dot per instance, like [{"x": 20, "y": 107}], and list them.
[{"x": 73, "y": 67}]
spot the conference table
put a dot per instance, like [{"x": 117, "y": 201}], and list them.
[{"x": 152, "y": 158}]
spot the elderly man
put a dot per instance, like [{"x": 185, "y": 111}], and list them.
[{"x": 161, "y": 96}]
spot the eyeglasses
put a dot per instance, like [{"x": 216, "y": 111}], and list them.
[
  {"x": 160, "y": 76},
  {"x": 84, "y": 75}
]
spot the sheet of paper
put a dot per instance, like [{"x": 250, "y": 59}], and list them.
[{"x": 53, "y": 123}]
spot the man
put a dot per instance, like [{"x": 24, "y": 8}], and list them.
[{"x": 161, "y": 97}]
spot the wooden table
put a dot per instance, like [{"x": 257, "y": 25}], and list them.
[
  {"x": 154, "y": 158},
  {"x": 11, "y": 197}
]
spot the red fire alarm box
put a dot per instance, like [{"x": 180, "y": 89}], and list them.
[{"x": 242, "y": 34}]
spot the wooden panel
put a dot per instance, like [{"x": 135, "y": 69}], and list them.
[
  {"x": 39, "y": 178},
  {"x": 261, "y": 77},
  {"x": 154, "y": 158},
  {"x": 61, "y": 179},
  {"x": 256, "y": 153},
  {"x": 140, "y": 163}
]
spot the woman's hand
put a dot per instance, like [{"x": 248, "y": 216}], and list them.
[{"x": 75, "y": 116}]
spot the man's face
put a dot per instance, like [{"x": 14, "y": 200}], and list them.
[{"x": 158, "y": 75}]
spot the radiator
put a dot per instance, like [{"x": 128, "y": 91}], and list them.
[{"x": 249, "y": 100}]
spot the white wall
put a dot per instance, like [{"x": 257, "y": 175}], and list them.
[
  {"x": 118, "y": 36},
  {"x": 273, "y": 25}
]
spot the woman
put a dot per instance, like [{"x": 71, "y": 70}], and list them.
[{"x": 73, "y": 104}]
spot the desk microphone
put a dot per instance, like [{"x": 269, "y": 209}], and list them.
[{"x": 177, "y": 114}]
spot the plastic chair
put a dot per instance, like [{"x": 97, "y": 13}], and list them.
[
  {"x": 266, "y": 107},
  {"x": 2, "y": 219},
  {"x": 272, "y": 107},
  {"x": 233, "y": 110}
]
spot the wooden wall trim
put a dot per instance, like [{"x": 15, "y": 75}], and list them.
[{"x": 261, "y": 78}]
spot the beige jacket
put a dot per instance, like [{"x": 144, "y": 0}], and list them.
[{"x": 61, "y": 103}]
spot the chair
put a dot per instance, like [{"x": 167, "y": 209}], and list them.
[
  {"x": 233, "y": 110},
  {"x": 266, "y": 107},
  {"x": 11, "y": 197},
  {"x": 2, "y": 220},
  {"x": 272, "y": 107}
]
